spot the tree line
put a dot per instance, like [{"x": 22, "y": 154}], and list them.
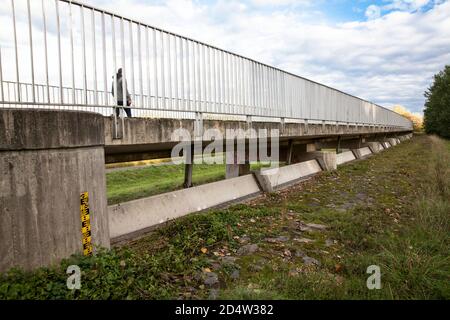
[{"x": 437, "y": 105}]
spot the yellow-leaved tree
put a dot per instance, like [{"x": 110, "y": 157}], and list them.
[{"x": 416, "y": 118}]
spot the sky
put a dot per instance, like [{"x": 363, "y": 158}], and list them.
[{"x": 385, "y": 51}]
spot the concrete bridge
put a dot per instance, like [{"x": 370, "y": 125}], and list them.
[{"x": 56, "y": 135}]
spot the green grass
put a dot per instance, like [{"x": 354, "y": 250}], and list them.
[
  {"x": 391, "y": 210},
  {"x": 126, "y": 185}
]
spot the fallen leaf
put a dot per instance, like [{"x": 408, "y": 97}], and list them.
[{"x": 204, "y": 250}]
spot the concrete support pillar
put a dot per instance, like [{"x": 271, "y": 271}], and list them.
[
  {"x": 289, "y": 151},
  {"x": 48, "y": 159},
  {"x": 189, "y": 166},
  {"x": 237, "y": 169}
]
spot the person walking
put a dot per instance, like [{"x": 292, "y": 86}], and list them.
[{"x": 120, "y": 103}]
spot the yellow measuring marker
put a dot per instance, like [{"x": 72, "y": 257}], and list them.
[{"x": 85, "y": 224}]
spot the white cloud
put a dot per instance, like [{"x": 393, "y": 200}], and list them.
[{"x": 373, "y": 12}]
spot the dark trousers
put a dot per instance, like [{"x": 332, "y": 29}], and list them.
[{"x": 127, "y": 110}]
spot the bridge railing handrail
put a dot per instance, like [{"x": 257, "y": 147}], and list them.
[{"x": 203, "y": 78}]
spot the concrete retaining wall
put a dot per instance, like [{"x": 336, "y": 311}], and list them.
[
  {"x": 43, "y": 173},
  {"x": 375, "y": 147},
  {"x": 362, "y": 152},
  {"x": 270, "y": 179},
  {"x": 344, "y": 157},
  {"x": 140, "y": 214},
  {"x": 386, "y": 145}
]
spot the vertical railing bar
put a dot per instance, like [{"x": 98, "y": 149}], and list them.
[
  {"x": 243, "y": 86},
  {"x": 105, "y": 78},
  {"x": 44, "y": 19},
  {"x": 141, "y": 85},
  {"x": 83, "y": 44},
  {"x": 177, "y": 101},
  {"x": 222, "y": 80},
  {"x": 61, "y": 90},
  {"x": 113, "y": 39},
  {"x": 72, "y": 54},
  {"x": 169, "y": 76},
  {"x": 155, "y": 69},
  {"x": 94, "y": 57},
  {"x": 122, "y": 48},
  {"x": 204, "y": 88},
  {"x": 183, "y": 102},
  {"x": 1, "y": 77},
  {"x": 124, "y": 73},
  {"x": 133, "y": 87},
  {"x": 233, "y": 82},
  {"x": 213, "y": 79},
  {"x": 147, "y": 56},
  {"x": 188, "y": 75},
  {"x": 194, "y": 73},
  {"x": 16, "y": 51},
  {"x": 199, "y": 96},
  {"x": 163, "y": 91}
]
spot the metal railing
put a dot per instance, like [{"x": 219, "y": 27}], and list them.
[{"x": 167, "y": 74}]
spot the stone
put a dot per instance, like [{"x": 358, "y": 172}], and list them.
[
  {"x": 227, "y": 260},
  {"x": 316, "y": 226},
  {"x": 235, "y": 274},
  {"x": 247, "y": 249},
  {"x": 304, "y": 240},
  {"x": 277, "y": 239},
  {"x": 210, "y": 279},
  {"x": 213, "y": 294},
  {"x": 310, "y": 261},
  {"x": 299, "y": 253}
]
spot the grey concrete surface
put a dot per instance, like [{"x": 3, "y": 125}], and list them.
[
  {"x": 271, "y": 178},
  {"x": 362, "y": 152},
  {"x": 344, "y": 157},
  {"x": 146, "y": 138},
  {"x": 375, "y": 146},
  {"x": 43, "y": 173},
  {"x": 140, "y": 214}
]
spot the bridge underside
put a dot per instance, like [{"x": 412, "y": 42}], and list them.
[{"x": 144, "y": 138}]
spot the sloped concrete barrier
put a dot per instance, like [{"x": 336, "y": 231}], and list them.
[
  {"x": 375, "y": 146},
  {"x": 386, "y": 144},
  {"x": 326, "y": 159},
  {"x": 392, "y": 141},
  {"x": 270, "y": 179},
  {"x": 136, "y": 215},
  {"x": 362, "y": 152},
  {"x": 344, "y": 157},
  {"x": 47, "y": 159}
]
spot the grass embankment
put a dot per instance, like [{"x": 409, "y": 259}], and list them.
[
  {"x": 391, "y": 210},
  {"x": 135, "y": 183}
]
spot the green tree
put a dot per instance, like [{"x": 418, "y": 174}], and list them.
[{"x": 437, "y": 106}]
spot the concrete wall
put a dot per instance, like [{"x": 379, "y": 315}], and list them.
[
  {"x": 362, "y": 152},
  {"x": 270, "y": 179},
  {"x": 47, "y": 159},
  {"x": 140, "y": 214},
  {"x": 344, "y": 157}
]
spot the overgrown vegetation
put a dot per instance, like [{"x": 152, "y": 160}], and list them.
[
  {"x": 391, "y": 210},
  {"x": 437, "y": 106}
]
